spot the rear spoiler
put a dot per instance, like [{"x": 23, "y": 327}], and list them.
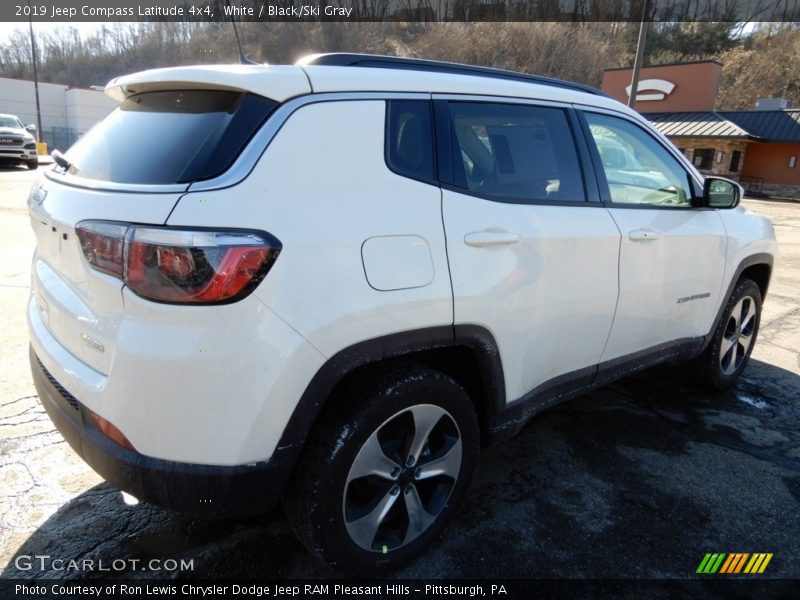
[{"x": 279, "y": 82}]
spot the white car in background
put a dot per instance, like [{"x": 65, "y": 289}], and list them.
[{"x": 17, "y": 145}]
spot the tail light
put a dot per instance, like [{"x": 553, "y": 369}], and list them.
[
  {"x": 179, "y": 266},
  {"x": 102, "y": 245}
]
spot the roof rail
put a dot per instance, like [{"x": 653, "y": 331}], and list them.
[{"x": 341, "y": 59}]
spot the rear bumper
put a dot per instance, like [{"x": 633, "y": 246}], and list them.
[{"x": 201, "y": 490}]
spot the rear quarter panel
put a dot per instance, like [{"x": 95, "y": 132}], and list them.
[{"x": 323, "y": 189}]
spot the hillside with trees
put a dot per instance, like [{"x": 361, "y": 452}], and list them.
[{"x": 759, "y": 61}]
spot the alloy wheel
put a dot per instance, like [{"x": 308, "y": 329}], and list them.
[
  {"x": 738, "y": 335},
  {"x": 402, "y": 477}
]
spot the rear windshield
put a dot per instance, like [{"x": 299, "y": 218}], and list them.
[{"x": 170, "y": 137}]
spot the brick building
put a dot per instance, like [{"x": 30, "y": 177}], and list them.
[{"x": 759, "y": 147}]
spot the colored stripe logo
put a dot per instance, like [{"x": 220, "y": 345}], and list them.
[{"x": 734, "y": 563}]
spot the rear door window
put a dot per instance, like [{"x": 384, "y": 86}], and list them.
[
  {"x": 515, "y": 152},
  {"x": 167, "y": 137}
]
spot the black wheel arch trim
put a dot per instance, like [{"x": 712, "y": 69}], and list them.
[
  {"x": 761, "y": 258},
  {"x": 473, "y": 338}
]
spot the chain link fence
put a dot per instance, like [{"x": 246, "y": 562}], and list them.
[{"x": 59, "y": 138}]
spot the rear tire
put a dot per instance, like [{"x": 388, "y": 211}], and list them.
[
  {"x": 729, "y": 350},
  {"x": 383, "y": 472}
]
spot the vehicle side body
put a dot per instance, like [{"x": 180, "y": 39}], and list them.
[{"x": 523, "y": 303}]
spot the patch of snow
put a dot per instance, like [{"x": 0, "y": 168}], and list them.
[
  {"x": 129, "y": 500},
  {"x": 747, "y": 399}
]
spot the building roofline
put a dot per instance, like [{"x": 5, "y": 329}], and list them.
[
  {"x": 31, "y": 81},
  {"x": 765, "y": 126},
  {"x": 754, "y": 111},
  {"x": 722, "y": 112},
  {"x": 64, "y": 85},
  {"x": 743, "y": 138}
]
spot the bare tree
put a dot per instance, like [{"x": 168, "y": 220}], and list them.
[{"x": 769, "y": 66}]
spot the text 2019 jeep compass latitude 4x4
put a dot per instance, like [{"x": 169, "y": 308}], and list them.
[{"x": 334, "y": 280}]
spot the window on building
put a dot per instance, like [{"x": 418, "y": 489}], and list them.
[
  {"x": 703, "y": 158},
  {"x": 792, "y": 161},
  {"x": 736, "y": 157}
]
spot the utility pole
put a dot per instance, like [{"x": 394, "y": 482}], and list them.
[
  {"x": 637, "y": 63},
  {"x": 35, "y": 77}
]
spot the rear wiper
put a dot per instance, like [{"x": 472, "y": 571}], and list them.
[{"x": 61, "y": 160}]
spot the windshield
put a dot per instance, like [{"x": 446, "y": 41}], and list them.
[
  {"x": 170, "y": 137},
  {"x": 10, "y": 122}
]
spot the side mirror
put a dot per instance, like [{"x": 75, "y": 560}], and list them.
[
  {"x": 719, "y": 192},
  {"x": 31, "y": 128}
]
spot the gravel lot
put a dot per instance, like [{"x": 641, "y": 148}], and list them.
[{"x": 636, "y": 480}]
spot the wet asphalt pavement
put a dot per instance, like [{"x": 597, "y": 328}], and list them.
[{"x": 637, "y": 480}]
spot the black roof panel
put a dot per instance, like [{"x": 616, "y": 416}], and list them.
[{"x": 336, "y": 59}]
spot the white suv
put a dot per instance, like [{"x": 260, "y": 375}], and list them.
[{"x": 332, "y": 282}]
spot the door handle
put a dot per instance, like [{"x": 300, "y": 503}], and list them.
[
  {"x": 481, "y": 239},
  {"x": 641, "y": 235}
]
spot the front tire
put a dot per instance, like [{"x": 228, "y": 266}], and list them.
[
  {"x": 381, "y": 476},
  {"x": 733, "y": 340},
  {"x": 32, "y": 164}
]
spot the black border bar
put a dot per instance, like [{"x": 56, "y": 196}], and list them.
[
  {"x": 711, "y": 587},
  {"x": 265, "y": 11}
]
